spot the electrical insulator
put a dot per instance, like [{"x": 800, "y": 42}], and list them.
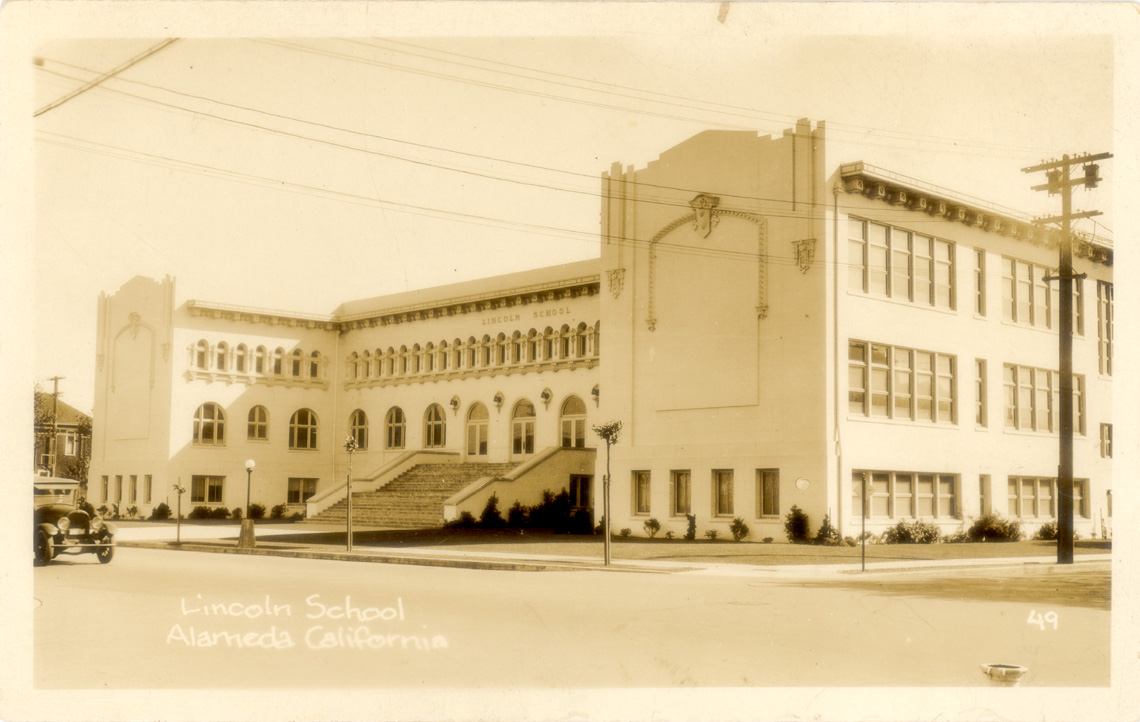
[
  {"x": 1091, "y": 178},
  {"x": 1054, "y": 177}
]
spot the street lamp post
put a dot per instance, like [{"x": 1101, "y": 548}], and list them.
[
  {"x": 246, "y": 539},
  {"x": 349, "y": 446},
  {"x": 608, "y": 433},
  {"x": 178, "y": 519}
]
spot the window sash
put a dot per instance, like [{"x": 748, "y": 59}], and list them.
[
  {"x": 767, "y": 493},
  {"x": 722, "y": 492},
  {"x": 906, "y": 495},
  {"x": 682, "y": 492},
  {"x": 641, "y": 492},
  {"x": 904, "y": 383}
]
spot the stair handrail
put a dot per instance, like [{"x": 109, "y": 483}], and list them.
[
  {"x": 378, "y": 478},
  {"x": 483, "y": 482}
]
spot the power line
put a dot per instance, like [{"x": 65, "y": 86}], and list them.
[
  {"x": 772, "y": 116},
  {"x": 489, "y": 176},
  {"x": 109, "y": 74}
]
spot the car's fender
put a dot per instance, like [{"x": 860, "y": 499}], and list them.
[
  {"x": 47, "y": 528},
  {"x": 111, "y": 529}
]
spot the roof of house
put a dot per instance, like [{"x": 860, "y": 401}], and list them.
[{"x": 65, "y": 414}]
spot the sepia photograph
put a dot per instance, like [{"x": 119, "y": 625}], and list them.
[{"x": 568, "y": 361}]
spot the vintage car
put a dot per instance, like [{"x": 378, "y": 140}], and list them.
[{"x": 62, "y": 527}]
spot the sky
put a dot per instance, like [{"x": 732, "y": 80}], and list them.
[{"x": 297, "y": 173}]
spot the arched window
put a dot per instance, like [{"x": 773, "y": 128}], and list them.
[
  {"x": 429, "y": 358},
  {"x": 516, "y": 348},
  {"x": 564, "y": 342},
  {"x": 522, "y": 428},
  {"x": 532, "y": 346},
  {"x": 597, "y": 338},
  {"x": 394, "y": 428},
  {"x": 487, "y": 349},
  {"x": 202, "y": 354},
  {"x": 303, "y": 430},
  {"x": 378, "y": 359},
  {"x": 444, "y": 356},
  {"x": 403, "y": 360},
  {"x": 477, "y": 421},
  {"x": 365, "y": 364},
  {"x": 210, "y": 425},
  {"x": 581, "y": 338},
  {"x": 257, "y": 428},
  {"x": 259, "y": 360},
  {"x": 457, "y": 354},
  {"x": 359, "y": 425},
  {"x": 415, "y": 365},
  {"x": 390, "y": 361},
  {"x": 353, "y": 369},
  {"x": 435, "y": 429},
  {"x": 278, "y": 355},
  {"x": 295, "y": 366},
  {"x": 502, "y": 350},
  {"x": 548, "y": 344},
  {"x": 574, "y": 423},
  {"x": 315, "y": 365},
  {"x": 220, "y": 356},
  {"x": 240, "y": 354},
  {"x": 472, "y": 352}
]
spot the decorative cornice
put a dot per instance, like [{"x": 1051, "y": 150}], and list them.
[
  {"x": 462, "y": 374},
  {"x": 896, "y": 190}
]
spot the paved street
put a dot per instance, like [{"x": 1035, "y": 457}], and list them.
[{"x": 168, "y": 619}]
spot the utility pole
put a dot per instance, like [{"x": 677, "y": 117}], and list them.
[
  {"x": 52, "y": 446},
  {"x": 1058, "y": 173}
]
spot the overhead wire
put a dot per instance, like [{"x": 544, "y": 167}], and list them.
[{"x": 490, "y": 176}]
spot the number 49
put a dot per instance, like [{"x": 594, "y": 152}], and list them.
[{"x": 1042, "y": 620}]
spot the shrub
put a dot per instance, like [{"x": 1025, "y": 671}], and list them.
[
  {"x": 132, "y": 511},
  {"x": 738, "y": 528},
  {"x": 626, "y": 532},
  {"x": 849, "y": 541},
  {"x": 103, "y": 510},
  {"x": 236, "y": 513},
  {"x": 1048, "y": 531},
  {"x": 256, "y": 511},
  {"x": 466, "y": 520},
  {"x": 114, "y": 511},
  {"x": 516, "y": 516},
  {"x": 796, "y": 526},
  {"x": 86, "y": 506},
  {"x": 651, "y": 526},
  {"x": 827, "y": 534},
  {"x": 297, "y": 516},
  {"x": 278, "y": 511},
  {"x": 711, "y": 534},
  {"x": 580, "y": 522},
  {"x": 767, "y": 540},
  {"x": 162, "y": 511},
  {"x": 600, "y": 528},
  {"x": 958, "y": 537},
  {"x": 916, "y": 532},
  {"x": 691, "y": 532},
  {"x": 200, "y": 512},
  {"x": 992, "y": 527},
  {"x": 223, "y": 513},
  {"x": 492, "y": 518},
  {"x": 668, "y": 535},
  {"x": 553, "y": 513}
]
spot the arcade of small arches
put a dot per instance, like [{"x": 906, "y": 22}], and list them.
[
  {"x": 210, "y": 427},
  {"x": 240, "y": 361},
  {"x": 518, "y": 352}
]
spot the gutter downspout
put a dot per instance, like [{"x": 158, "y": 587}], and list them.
[{"x": 838, "y": 449}]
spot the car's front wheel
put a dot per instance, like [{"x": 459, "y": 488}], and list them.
[
  {"x": 45, "y": 548},
  {"x": 105, "y": 552}
]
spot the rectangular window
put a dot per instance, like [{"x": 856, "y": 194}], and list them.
[
  {"x": 1029, "y": 299},
  {"x": 641, "y": 492},
  {"x": 69, "y": 445},
  {"x": 892, "y": 262},
  {"x": 722, "y": 492},
  {"x": 134, "y": 497},
  {"x": 105, "y": 495},
  {"x": 147, "y": 488},
  {"x": 904, "y": 384},
  {"x": 983, "y": 493},
  {"x": 981, "y": 418},
  {"x": 901, "y": 495},
  {"x": 118, "y": 488},
  {"x": 1033, "y": 497},
  {"x": 300, "y": 490},
  {"x": 1032, "y": 399},
  {"x": 682, "y": 492},
  {"x": 767, "y": 493},
  {"x": 1106, "y": 441},
  {"x": 206, "y": 489},
  {"x": 980, "y": 282},
  {"x": 1104, "y": 331}
]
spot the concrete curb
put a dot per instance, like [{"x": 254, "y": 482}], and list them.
[{"x": 386, "y": 558}]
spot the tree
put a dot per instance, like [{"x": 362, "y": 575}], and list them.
[{"x": 609, "y": 433}]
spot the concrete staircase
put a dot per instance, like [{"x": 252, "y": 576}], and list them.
[{"x": 414, "y": 499}]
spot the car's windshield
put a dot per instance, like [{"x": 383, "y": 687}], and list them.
[{"x": 53, "y": 495}]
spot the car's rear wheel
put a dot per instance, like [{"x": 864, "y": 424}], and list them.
[
  {"x": 105, "y": 552},
  {"x": 45, "y": 548}
]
